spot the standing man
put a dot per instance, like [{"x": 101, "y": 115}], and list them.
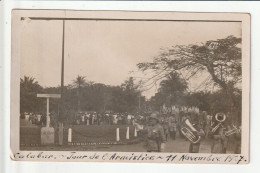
[
  {"x": 91, "y": 119},
  {"x": 207, "y": 127},
  {"x": 39, "y": 118},
  {"x": 114, "y": 119},
  {"x": 83, "y": 118},
  {"x": 94, "y": 120},
  {"x": 195, "y": 147},
  {"x": 173, "y": 126},
  {"x": 155, "y": 135},
  {"x": 238, "y": 141},
  {"x": 129, "y": 117},
  {"x": 192, "y": 123},
  {"x": 220, "y": 141}
]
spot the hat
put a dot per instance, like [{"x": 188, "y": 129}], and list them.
[{"x": 154, "y": 116}]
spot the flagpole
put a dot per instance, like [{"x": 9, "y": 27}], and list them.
[{"x": 62, "y": 88}]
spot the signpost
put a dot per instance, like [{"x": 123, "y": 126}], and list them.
[{"x": 47, "y": 133}]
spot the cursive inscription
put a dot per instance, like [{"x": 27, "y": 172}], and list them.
[{"x": 132, "y": 157}]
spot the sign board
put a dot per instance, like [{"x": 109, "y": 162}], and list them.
[
  {"x": 47, "y": 135},
  {"x": 49, "y": 95}
]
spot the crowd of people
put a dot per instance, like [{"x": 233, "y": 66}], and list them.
[
  {"x": 222, "y": 131},
  {"x": 158, "y": 128},
  {"x": 94, "y": 118},
  {"x": 220, "y": 128},
  {"x": 35, "y": 118}
]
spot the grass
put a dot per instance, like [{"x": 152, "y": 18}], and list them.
[
  {"x": 31, "y": 135},
  {"x": 103, "y": 133}
]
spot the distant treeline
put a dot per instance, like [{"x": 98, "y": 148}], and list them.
[
  {"x": 89, "y": 96},
  {"x": 82, "y": 96}
]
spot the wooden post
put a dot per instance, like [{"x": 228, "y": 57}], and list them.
[
  {"x": 127, "y": 133},
  {"x": 48, "y": 96},
  {"x": 117, "y": 134},
  {"x": 70, "y": 135},
  {"x": 47, "y": 133},
  {"x": 135, "y": 134},
  {"x": 47, "y": 113}
]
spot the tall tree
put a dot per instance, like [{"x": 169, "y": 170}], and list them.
[
  {"x": 132, "y": 95},
  {"x": 173, "y": 88},
  {"x": 28, "y": 95},
  {"x": 78, "y": 83},
  {"x": 220, "y": 59},
  {"x": 173, "y": 83},
  {"x": 129, "y": 85}
]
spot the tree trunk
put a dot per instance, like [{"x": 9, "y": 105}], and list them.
[
  {"x": 223, "y": 85},
  {"x": 79, "y": 106}
]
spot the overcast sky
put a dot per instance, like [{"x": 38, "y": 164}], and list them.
[{"x": 105, "y": 51}]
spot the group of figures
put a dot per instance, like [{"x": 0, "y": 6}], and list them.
[
  {"x": 218, "y": 129},
  {"x": 221, "y": 130},
  {"x": 34, "y": 118},
  {"x": 95, "y": 118}
]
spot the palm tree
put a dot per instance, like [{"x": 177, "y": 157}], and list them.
[
  {"x": 173, "y": 83},
  {"x": 28, "y": 91},
  {"x": 78, "y": 83},
  {"x": 29, "y": 83},
  {"x": 173, "y": 87}
]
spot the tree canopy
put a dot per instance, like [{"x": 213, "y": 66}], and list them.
[
  {"x": 78, "y": 83},
  {"x": 28, "y": 95},
  {"x": 82, "y": 96},
  {"x": 221, "y": 59}
]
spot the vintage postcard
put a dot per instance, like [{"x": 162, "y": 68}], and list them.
[{"x": 129, "y": 86}]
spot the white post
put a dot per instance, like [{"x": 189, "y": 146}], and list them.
[
  {"x": 117, "y": 134},
  {"x": 48, "y": 114},
  {"x": 47, "y": 133},
  {"x": 135, "y": 135},
  {"x": 127, "y": 133},
  {"x": 70, "y": 135},
  {"x": 87, "y": 122}
]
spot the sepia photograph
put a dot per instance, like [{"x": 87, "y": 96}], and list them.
[{"x": 130, "y": 86}]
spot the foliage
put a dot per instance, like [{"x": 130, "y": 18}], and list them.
[
  {"x": 220, "y": 59},
  {"x": 28, "y": 95},
  {"x": 89, "y": 96},
  {"x": 78, "y": 83},
  {"x": 171, "y": 91}
]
